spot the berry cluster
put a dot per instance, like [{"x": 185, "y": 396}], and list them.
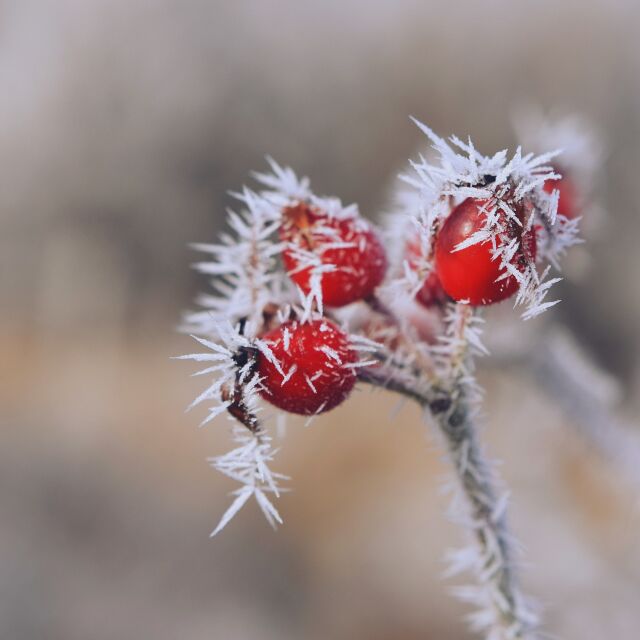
[
  {"x": 310, "y": 298},
  {"x": 305, "y": 284}
]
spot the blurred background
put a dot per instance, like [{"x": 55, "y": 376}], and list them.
[{"x": 122, "y": 126}]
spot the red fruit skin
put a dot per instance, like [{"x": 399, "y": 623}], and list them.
[
  {"x": 568, "y": 200},
  {"x": 431, "y": 293},
  {"x": 359, "y": 269},
  {"x": 320, "y": 382},
  {"x": 470, "y": 274}
]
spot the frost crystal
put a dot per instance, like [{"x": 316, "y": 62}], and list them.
[
  {"x": 225, "y": 369},
  {"x": 248, "y": 464},
  {"x": 582, "y": 149},
  {"x": 234, "y": 390},
  {"x": 244, "y": 268}
]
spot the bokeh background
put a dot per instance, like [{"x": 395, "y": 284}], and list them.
[{"x": 122, "y": 126}]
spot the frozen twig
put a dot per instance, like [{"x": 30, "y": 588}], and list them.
[{"x": 502, "y": 611}]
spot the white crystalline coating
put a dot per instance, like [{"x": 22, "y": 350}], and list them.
[
  {"x": 460, "y": 172},
  {"x": 582, "y": 146},
  {"x": 461, "y": 329},
  {"x": 313, "y": 262},
  {"x": 266, "y": 351},
  {"x": 288, "y": 375},
  {"x": 331, "y": 353},
  {"x": 248, "y": 464},
  {"x": 225, "y": 370},
  {"x": 244, "y": 264},
  {"x": 407, "y": 238},
  {"x": 306, "y": 310},
  {"x": 477, "y": 504},
  {"x": 286, "y": 338},
  {"x": 284, "y": 188},
  {"x": 360, "y": 364},
  {"x": 565, "y": 235},
  {"x": 284, "y": 192},
  {"x": 310, "y": 383},
  {"x": 283, "y": 184}
]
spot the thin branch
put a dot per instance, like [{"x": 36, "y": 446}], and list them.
[
  {"x": 502, "y": 609},
  {"x": 395, "y": 379}
]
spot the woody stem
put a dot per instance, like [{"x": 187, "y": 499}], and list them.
[{"x": 500, "y": 594}]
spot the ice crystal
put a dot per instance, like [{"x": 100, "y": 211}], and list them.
[
  {"x": 244, "y": 265},
  {"x": 283, "y": 185},
  {"x": 248, "y": 464},
  {"x": 225, "y": 370},
  {"x": 234, "y": 390},
  {"x": 582, "y": 148}
]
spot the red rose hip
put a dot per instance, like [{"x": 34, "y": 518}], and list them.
[
  {"x": 470, "y": 274},
  {"x": 313, "y": 374},
  {"x": 431, "y": 292},
  {"x": 349, "y": 243}
]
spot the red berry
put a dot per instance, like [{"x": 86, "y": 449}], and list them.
[
  {"x": 360, "y": 267},
  {"x": 431, "y": 293},
  {"x": 568, "y": 200},
  {"x": 470, "y": 274},
  {"x": 313, "y": 359}
]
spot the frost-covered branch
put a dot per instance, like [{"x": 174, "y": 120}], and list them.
[{"x": 478, "y": 506}]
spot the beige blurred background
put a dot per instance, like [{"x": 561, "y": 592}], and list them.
[{"x": 122, "y": 126}]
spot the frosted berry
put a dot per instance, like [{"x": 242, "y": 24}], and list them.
[
  {"x": 312, "y": 375},
  {"x": 349, "y": 243},
  {"x": 568, "y": 200},
  {"x": 471, "y": 273},
  {"x": 431, "y": 292}
]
